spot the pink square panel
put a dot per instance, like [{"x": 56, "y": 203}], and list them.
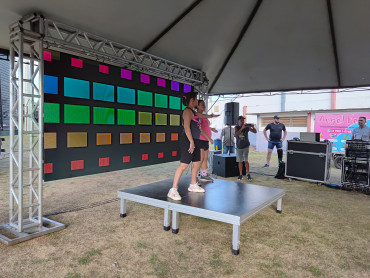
[
  {"x": 161, "y": 82},
  {"x": 47, "y": 56},
  {"x": 103, "y": 161},
  {"x": 144, "y": 78},
  {"x": 160, "y": 155},
  {"x": 174, "y": 153},
  {"x": 126, "y": 74},
  {"x": 104, "y": 69},
  {"x": 78, "y": 63},
  {"x": 145, "y": 157},
  {"x": 77, "y": 164},
  {"x": 126, "y": 159}
]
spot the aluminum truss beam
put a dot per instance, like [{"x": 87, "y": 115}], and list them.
[{"x": 26, "y": 128}]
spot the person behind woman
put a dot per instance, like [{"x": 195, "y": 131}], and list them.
[
  {"x": 189, "y": 146},
  {"x": 205, "y": 138}
]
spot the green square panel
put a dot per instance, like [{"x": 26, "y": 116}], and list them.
[
  {"x": 183, "y": 106},
  {"x": 103, "y": 116},
  {"x": 174, "y": 120},
  {"x": 160, "y": 101},
  {"x": 175, "y": 103},
  {"x": 125, "y": 117},
  {"x": 144, "y": 98},
  {"x": 160, "y": 119},
  {"x": 51, "y": 113},
  {"x": 76, "y": 114}
]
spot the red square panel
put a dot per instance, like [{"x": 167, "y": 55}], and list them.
[
  {"x": 145, "y": 157},
  {"x": 103, "y": 161},
  {"x": 174, "y": 153},
  {"x": 77, "y": 164},
  {"x": 160, "y": 155},
  {"x": 126, "y": 159},
  {"x": 48, "y": 168},
  {"x": 174, "y": 137},
  {"x": 104, "y": 69},
  {"x": 78, "y": 63},
  {"x": 47, "y": 56}
]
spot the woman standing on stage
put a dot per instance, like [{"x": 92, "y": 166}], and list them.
[
  {"x": 189, "y": 146},
  {"x": 205, "y": 138}
]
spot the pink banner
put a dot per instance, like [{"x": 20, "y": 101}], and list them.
[{"x": 337, "y": 127}]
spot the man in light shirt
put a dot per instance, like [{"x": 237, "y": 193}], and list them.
[{"x": 362, "y": 132}]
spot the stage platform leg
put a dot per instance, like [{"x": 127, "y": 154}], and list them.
[
  {"x": 175, "y": 221},
  {"x": 123, "y": 208},
  {"x": 278, "y": 207},
  {"x": 167, "y": 219},
  {"x": 236, "y": 239}
]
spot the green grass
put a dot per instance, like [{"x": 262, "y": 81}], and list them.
[
  {"x": 87, "y": 257},
  {"x": 160, "y": 269}
]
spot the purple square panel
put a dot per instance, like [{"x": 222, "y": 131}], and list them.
[
  {"x": 161, "y": 82},
  {"x": 144, "y": 78},
  {"x": 175, "y": 86},
  {"x": 126, "y": 74},
  {"x": 187, "y": 88}
]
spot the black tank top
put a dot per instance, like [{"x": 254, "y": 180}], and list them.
[{"x": 195, "y": 125}]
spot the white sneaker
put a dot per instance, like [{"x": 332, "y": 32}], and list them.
[
  {"x": 195, "y": 188},
  {"x": 174, "y": 194}
]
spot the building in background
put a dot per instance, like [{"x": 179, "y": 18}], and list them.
[{"x": 4, "y": 96}]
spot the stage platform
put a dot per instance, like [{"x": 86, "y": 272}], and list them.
[{"x": 225, "y": 201}]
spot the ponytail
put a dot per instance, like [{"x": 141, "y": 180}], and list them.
[{"x": 187, "y": 97}]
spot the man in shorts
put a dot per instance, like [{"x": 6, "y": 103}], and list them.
[
  {"x": 242, "y": 145},
  {"x": 275, "y": 139}
]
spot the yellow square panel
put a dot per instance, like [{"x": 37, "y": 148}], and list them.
[
  {"x": 125, "y": 138},
  {"x": 103, "y": 139},
  {"x": 174, "y": 120},
  {"x": 50, "y": 140},
  {"x": 144, "y": 137},
  {"x": 76, "y": 139}
]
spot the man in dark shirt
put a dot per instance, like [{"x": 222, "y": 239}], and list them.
[
  {"x": 275, "y": 139},
  {"x": 242, "y": 144}
]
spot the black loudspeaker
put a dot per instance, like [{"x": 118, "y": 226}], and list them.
[
  {"x": 225, "y": 165},
  {"x": 231, "y": 113}
]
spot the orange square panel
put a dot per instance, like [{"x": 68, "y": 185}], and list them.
[
  {"x": 125, "y": 138},
  {"x": 174, "y": 137},
  {"x": 103, "y": 139}
]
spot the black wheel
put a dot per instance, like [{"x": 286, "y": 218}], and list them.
[{"x": 338, "y": 162}]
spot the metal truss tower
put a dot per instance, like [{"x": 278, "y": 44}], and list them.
[{"x": 28, "y": 39}]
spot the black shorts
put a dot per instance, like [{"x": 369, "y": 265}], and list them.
[
  {"x": 185, "y": 156},
  {"x": 204, "y": 144}
]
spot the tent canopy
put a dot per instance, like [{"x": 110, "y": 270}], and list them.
[{"x": 243, "y": 46}]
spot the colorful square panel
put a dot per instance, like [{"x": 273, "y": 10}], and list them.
[
  {"x": 160, "y": 155},
  {"x": 174, "y": 137},
  {"x": 51, "y": 113},
  {"x": 125, "y": 138},
  {"x": 144, "y": 137},
  {"x": 50, "y": 84},
  {"x": 77, "y": 165},
  {"x": 145, "y": 118},
  {"x": 174, "y": 120},
  {"x": 76, "y": 114},
  {"x": 175, "y": 103},
  {"x": 187, "y": 88},
  {"x": 160, "y": 137},
  {"x": 103, "y": 161},
  {"x": 47, "y": 56},
  {"x": 103, "y": 92},
  {"x": 160, "y": 101},
  {"x": 103, "y": 139},
  {"x": 76, "y": 139},
  {"x": 76, "y": 88},
  {"x": 103, "y": 116},
  {"x": 161, "y": 82},
  {"x": 125, "y": 117},
  {"x": 48, "y": 168},
  {"x": 145, "y": 157},
  {"x": 174, "y": 153},
  {"x": 175, "y": 86},
  {"x": 78, "y": 63},
  {"x": 50, "y": 140},
  {"x": 126, "y": 74},
  {"x": 144, "y": 78},
  {"x": 104, "y": 69},
  {"x": 160, "y": 119},
  {"x": 125, "y": 95},
  {"x": 126, "y": 159},
  {"x": 144, "y": 98}
]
